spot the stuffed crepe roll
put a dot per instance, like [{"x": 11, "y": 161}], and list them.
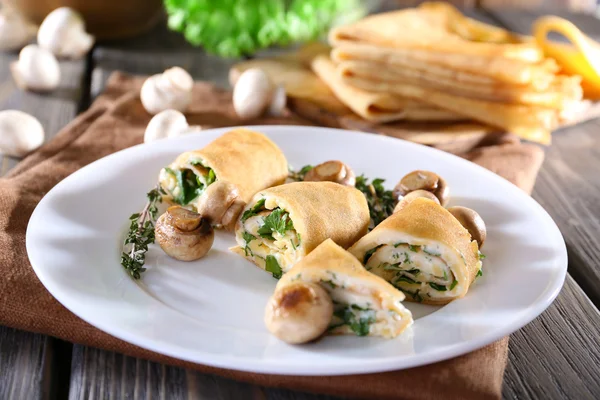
[
  {"x": 282, "y": 224},
  {"x": 363, "y": 303},
  {"x": 423, "y": 251},
  {"x": 247, "y": 159}
]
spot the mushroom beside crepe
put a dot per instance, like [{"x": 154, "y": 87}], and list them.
[{"x": 348, "y": 299}]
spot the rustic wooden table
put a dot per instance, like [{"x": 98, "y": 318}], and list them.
[{"x": 557, "y": 356}]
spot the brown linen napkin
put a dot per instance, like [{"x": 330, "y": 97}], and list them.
[{"x": 117, "y": 120}]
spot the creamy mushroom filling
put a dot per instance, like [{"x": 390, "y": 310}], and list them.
[
  {"x": 186, "y": 184},
  {"x": 416, "y": 270},
  {"x": 357, "y": 310},
  {"x": 269, "y": 235}
]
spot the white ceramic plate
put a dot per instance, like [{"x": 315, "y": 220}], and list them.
[{"x": 211, "y": 311}]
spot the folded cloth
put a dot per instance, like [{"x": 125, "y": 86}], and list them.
[{"x": 117, "y": 120}]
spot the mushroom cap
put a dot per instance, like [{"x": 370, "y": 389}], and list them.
[
  {"x": 252, "y": 93},
  {"x": 217, "y": 200},
  {"x": 413, "y": 195},
  {"x": 15, "y": 31},
  {"x": 332, "y": 171},
  {"x": 183, "y": 234},
  {"x": 37, "y": 69},
  {"x": 165, "y": 124},
  {"x": 63, "y": 33},
  {"x": 423, "y": 180},
  {"x": 20, "y": 133},
  {"x": 299, "y": 312},
  {"x": 472, "y": 222},
  {"x": 169, "y": 90}
]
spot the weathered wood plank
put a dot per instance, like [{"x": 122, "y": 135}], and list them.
[
  {"x": 569, "y": 184},
  {"x": 98, "y": 374},
  {"x": 557, "y": 355},
  {"x": 23, "y": 364},
  {"x": 29, "y": 366}
]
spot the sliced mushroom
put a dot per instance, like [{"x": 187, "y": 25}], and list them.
[
  {"x": 332, "y": 171},
  {"x": 413, "y": 195},
  {"x": 472, "y": 222},
  {"x": 184, "y": 234},
  {"x": 221, "y": 204},
  {"x": 299, "y": 312},
  {"x": 423, "y": 180}
]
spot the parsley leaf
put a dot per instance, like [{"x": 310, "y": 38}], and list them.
[
  {"x": 453, "y": 284},
  {"x": 190, "y": 185},
  {"x": 298, "y": 176},
  {"x": 272, "y": 266},
  {"x": 278, "y": 221},
  {"x": 254, "y": 210},
  {"x": 440, "y": 288},
  {"x": 381, "y": 201},
  {"x": 481, "y": 255},
  {"x": 369, "y": 253}
]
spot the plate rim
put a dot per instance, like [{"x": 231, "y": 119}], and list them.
[{"x": 272, "y": 366}]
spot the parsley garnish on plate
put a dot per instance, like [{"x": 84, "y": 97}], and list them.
[{"x": 272, "y": 266}]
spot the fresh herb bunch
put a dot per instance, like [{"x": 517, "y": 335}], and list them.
[
  {"x": 233, "y": 28},
  {"x": 141, "y": 234},
  {"x": 298, "y": 176},
  {"x": 381, "y": 201}
]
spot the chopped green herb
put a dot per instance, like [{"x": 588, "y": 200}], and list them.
[
  {"x": 437, "y": 287},
  {"x": 414, "y": 248},
  {"x": 254, "y": 210},
  {"x": 404, "y": 278},
  {"x": 395, "y": 256},
  {"x": 298, "y": 176},
  {"x": 399, "y": 244},
  {"x": 272, "y": 266},
  {"x": 415, "y": 295},
  {"x": 481, "y": 255},
  {"x": 431, "y": 253},
  {"x": 330, "y": 283},
  {"x": 248, "y": 237},
  {"x": 381, "y": 201},
  {"x": 453, "y": 284},
  {"x": 278, "y": 221},
  {"x": 414, "y": 271},
  {"x": 407, "y": 259},
  {"x": 445, "y": 275},
  {"x": 299, "y": 239},
  {"x": 369, "y": 253},
  {"x": 190, "y": 185},
  {"x": 360, "y": 325},
  {"x": 479, "y": 273}
]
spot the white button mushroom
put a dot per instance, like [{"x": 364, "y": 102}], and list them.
[
  {"x": 37, "y": 69},
  {"x": 63, "y": 33},
  {"x": 165, "y": 124},
  {"x": 299, "y": 312},
  {"x": 252, "y": 94},
  {"x": 170, "y": 90},
  {"x": 332, "y": 171},
  {"x": 20, "y": 133},
  {"x": 184, "y": 234},
  {"x": 278, "y": 101},
  {"x": 15, "y": 31}
]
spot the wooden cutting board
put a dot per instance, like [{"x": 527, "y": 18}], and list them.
[{"x": 310, "y": 98}]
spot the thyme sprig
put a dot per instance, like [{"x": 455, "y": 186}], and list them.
[{"x": 141, "y": 234}]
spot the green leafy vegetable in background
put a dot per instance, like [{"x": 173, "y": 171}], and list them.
[{"x": 234, "y": 28}]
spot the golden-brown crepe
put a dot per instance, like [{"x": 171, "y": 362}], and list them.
[
  {"x": 462, "y": 68},
  {"x": 562, "y": 93},
  {"x": 377, "y": 107},
  {"x": 245, "y": 158},
  {"x": 364, "y": 304},
  {"x": 436, "y": 27},
  {"x": 423, "y": 251},
  {"x": 529, "y": 122},
  {"x": 282, "y": 224}
]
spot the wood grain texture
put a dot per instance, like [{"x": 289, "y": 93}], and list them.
[
  {"x": 23, "y": 365},
  {"x": 103, "y": 375},
  {"x": 557, "y": 355},
  {"x": 568, "y": 185}
]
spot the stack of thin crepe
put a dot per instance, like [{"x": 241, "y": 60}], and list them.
[{"x": 433, "y": 63}]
